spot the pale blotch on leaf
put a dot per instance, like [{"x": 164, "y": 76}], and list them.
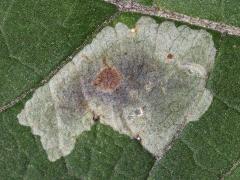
[{"x": 147, "y": 82}]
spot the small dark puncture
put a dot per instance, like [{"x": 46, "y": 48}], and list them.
[
  {"x": 108, "y": 79},
  {"x": 95, "y": 117}
]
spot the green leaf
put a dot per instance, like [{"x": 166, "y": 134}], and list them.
[
  {"x": 225, "y": 81},
  {"x": 105, "y": 154},
  {"x": 145, "y": 2},
  {"x": 216, "y": 10},
  {"x": 179, "y": 164},
  {"x": 36, "y": 36}
]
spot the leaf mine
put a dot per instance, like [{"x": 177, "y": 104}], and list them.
[{"x": 147, "y": 82}]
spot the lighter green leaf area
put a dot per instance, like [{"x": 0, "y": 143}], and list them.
[
  {"x": 217, "y": 10},
  {"x": 36, "y": 36},
  {"x": 127, "y": 18},
  {"x": 147, "y": 82}
]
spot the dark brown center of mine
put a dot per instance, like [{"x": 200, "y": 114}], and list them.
[
  {"x": 170, "y": 56},
  {"x": 108, "y": 79}
]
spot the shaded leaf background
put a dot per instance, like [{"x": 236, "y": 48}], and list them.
[{"x": 37, "y": 36}]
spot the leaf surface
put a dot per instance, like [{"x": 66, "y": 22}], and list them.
[{"x": 217, "y": 10}]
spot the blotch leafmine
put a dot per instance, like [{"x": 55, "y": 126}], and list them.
[{"x": 147, "y": 82}]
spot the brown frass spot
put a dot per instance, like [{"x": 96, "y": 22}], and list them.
[
  {"x": 108, "y": 79},
  {"x": 170, "y": 56}
]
